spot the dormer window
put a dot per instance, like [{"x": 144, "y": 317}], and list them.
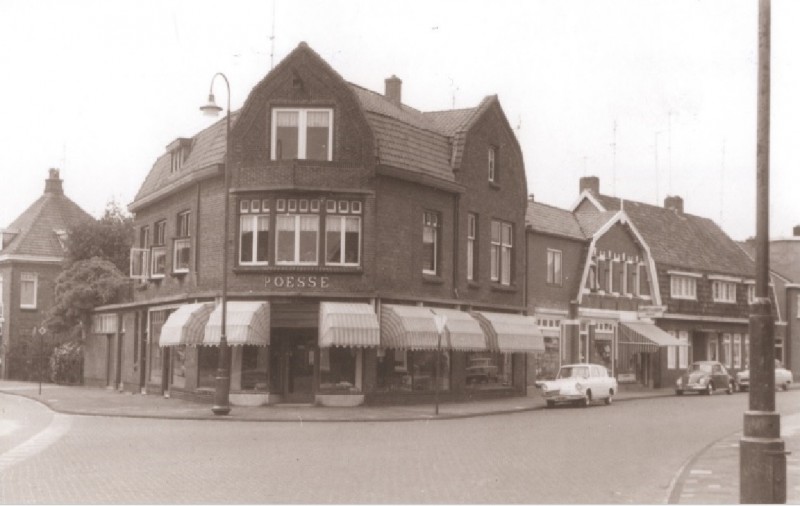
[
  {"x": 683, "y": 285},
  {"x": 302, "y": 134},
  {"x": 178, "y": 152},
  {"x": 176, "y": 160}
]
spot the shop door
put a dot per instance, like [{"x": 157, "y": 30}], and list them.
[{"x": 294, "y": 358}]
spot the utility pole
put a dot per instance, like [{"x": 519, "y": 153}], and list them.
[{"x": 762, "y": 457}]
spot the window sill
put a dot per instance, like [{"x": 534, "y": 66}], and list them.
[
  {"x": 432, "y": 278},
  {"x": 245, "y": 269},
  {"x": 504, "y": 288},
  {"x": 179, "y": 274}
]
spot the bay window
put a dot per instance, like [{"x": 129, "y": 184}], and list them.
[
  {"x": 253, "y": 239},
  {"x": 302, "y": 134},
  {"x": 342, "y": 240},
  {"x": 297, "y": 239}
]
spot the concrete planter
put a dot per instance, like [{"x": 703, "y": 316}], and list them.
[
  {"x": 340, "y": 401},
  {"x": 249, "y": 399}
]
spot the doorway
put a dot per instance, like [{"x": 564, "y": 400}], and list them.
[{"x": 293, "y": 358}]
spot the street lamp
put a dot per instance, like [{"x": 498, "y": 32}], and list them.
[
  {"x": 222, "y": 384},
  {"x": 441, "y": 321}
]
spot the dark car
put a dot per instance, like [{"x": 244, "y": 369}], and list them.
[{"x": 704, "y": 377}]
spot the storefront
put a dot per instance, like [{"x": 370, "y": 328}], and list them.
[{"x": 339, "y": 353}]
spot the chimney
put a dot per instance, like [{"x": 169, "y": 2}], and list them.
[
  {"x": 53, "y": 184},
  {"x": 796, "y": 231},
  {"x": 591, "y": 183},
  {"x": 530, "y": 197},
  {"x": 394, "y": 88},
  {"x": 675, "y": 203}
]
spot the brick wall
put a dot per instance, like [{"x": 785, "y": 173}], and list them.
[{"x": 542, "y": 294}]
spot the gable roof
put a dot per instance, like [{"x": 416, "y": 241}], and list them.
[
  {"x": 682, "y": 239},
  {"x": 38, "y": 226}
]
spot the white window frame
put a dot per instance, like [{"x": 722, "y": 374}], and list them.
[
  {"x": 157, "y": 252},
  {"x": 727, "y": 351},
  {"x": 751, "y": 293},
  {"x": 723, "y": 291},
  {"x": 430, "y": 220},
  {"x": 342, "y": 236},
  {"x": 472, "y": 231},
  {"x": 506, "y": 252},
  {"x": 296, "y": 260},
  {"x": 683, "y": 287},
  {"x": 178, "y": 245},
  {"x": 492, "y": 163},
  {"x": 737, "y": 351},
  {"x": 29, "y": 277},
  {"x": 671, "y": 353},
  {"x": 302, "y": 130},
  {"x": 254, "y": 218},
  {"x": 552, "y": 256},
  {"x": 139, "y": 257},
  {"x": 683, "y": 351}
]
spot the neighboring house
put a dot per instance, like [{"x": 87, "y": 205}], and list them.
[
  {"x": 590, "y": 286},
  {"x": 353, "y": 219},
  {"x": 784, "y": 263},
  {"x": 702, "y": 285},
  {"x": 32, "y": 251}
]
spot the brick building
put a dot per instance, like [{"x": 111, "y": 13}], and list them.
[
  {"x": 31, "y": 257},
  {"x": 354, "y": 219}
]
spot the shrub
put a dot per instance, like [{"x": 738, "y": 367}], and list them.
[{"x": 66, "y": 363}]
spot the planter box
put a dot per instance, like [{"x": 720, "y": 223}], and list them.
[
  {"x": 249, "y": 399},
  {"x": 340, "y": 400}
]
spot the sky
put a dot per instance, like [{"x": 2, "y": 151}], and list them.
[{"x": 655, "y": 97}]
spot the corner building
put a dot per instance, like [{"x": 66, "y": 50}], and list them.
[{"x": 354, "y": 221}]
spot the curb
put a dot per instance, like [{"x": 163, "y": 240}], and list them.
[{"x": 678, "y": 480}]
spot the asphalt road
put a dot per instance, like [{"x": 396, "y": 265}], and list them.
[{"x": 625, "y": 453}]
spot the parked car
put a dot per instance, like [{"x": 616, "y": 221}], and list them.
[
  {"x": 704, "y": 377},
  {"x": 579, "y": 383},
  {"x": 481, "y": 370},
  {"x": 783, "y": 378}
]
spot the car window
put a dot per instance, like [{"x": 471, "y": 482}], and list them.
[
  {"x": 697, "y": 367},
  {"x": 717, "y": 369},
  {"x": 573, "y": 372}
]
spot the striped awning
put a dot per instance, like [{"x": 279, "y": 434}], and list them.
[
  {"x": 348, "y": 324},
  {"x": 185, "y": 326},
  {"x": 246, "y": 323},
  {"x": 408, "y": 327},
  {"x": 511, "y": 333},
  {"x": 645, "y": 337},
  {"x": 463, "y": 330}
]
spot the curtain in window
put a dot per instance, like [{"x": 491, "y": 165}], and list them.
[
  {"x": 285, "y": 240},
  {"x": 317, "y": 119},
  {"x": 309, "y": 226},
  {"x": 287, "y": 119}
]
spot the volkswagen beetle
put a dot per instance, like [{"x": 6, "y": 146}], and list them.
[{"x": 704, "y": 377}]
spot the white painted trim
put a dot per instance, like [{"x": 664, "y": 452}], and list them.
[
  {"x": 686, "y": 274},
  {"x": 546, "y": 312},
  {"x": 748, "y": 281},
  {"x": 720, "y": 277},
  {"x": 607, "y": 314},
  {"x": 31, "y": 258},
  {"x": 586, "y": 194},
  {"x": 703, "y": 318}
]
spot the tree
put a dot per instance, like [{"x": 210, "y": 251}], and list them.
[
  {"x": 82, "y": 287},
  {"x": 110, "y": 237}
]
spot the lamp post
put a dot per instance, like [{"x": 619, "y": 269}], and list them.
[
  {"x": 441, "y": 322},
  {"x": 222, "y": 385},
  {"x": 762, "y": 457}
]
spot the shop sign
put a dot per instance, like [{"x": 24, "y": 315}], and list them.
[
  {"x": 626, "y": 377},
  {"x": 651, "y": 311},
  {"x": 296, "y": 281}
]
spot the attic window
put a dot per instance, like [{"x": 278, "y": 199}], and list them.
[
  {"x": 302, "y": 134},
  {"x": 178, "y": 152},
  {"x": 176, "y": 160},
  {"x": 62, "y": 238}
]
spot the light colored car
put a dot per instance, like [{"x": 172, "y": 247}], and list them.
[
  {"x": 579, "y": 383},
  {"x": 704, "y": 377},
  {"x": 783, "y": 378}
]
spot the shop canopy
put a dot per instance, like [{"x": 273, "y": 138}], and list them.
[
  {"x": 511, "y": 333},
  {"x": 348, "y": 324},
  {"x": 408, "y": 327},
  {"x": 463, "y": 330},
  {"x": 246, "y": 323},
  {"x": 645, "y": 337},
  {"x": 185, "y": 325}
]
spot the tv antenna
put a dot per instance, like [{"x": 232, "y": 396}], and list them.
[{"x": 272, "y": 40}]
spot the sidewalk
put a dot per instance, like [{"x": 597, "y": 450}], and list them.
[{"x": 710, "y": 477}]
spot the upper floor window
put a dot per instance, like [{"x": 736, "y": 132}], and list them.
[
  {"x": 343, "y": 233},
  {"x": 29, "y": 286},
  {"x": 253, "y": 232},
  {"x": 501, "y": 248},
  {"x": 683, "y": 287},
  {"x": 492, "y": 163},
  {"x": 472, "y": 234},
  {"x": 723, "y": 291},
  {"x": 304, "y": 134},
  {"x": 751, "y": 293},
  {"x": 296, "y": 239},
  {"x": 176, "y": 160},
  {"x": 643, "y": 286},
  {"x": 158, "y": 253},
  {"x": 160, "y": 235},
  {"x": 182, "y": 246},
  {"x": 430, "y": 242},
  {"x": 554, "y": 267},
  {"x": 144, "y": 237}
]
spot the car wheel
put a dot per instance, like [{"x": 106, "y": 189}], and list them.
[
  {"x": 610, "y": 398},
  {"x": 586, "y": 400},
  {"x": 678, "y": 392},
  {"x": 550, "y": 404},
  {"x": 710, "y": 389},
  {"x": 729, "y": 391},
  {"x": 785, "y": 387}
]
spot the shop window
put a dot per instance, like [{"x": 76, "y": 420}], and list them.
[
  {"x": 413, "y": 371},
  {"x": 430, "y": 243},
  {"x": 501, "y": 252},
  {"x": 672, "y": 352},
  {"x": 683, "y": 351},
  {"x": 737, "y": 351},
  {"x": 29, "y": 288},
  {"x": 726, "y": 350},
  {"x": 157, "y": 319},
  {"x": 746, "y": 351},
  {"x": 297, "y": 239},
  {"x": 207, "y": 364},
  {"x": 554, "y": 267},
  {"x": 178, "y": 366},
  {"x": 337, "y": 370},
  {"x": 304, "y": 134},
  {"x": 779, "y": 351},
  {"x": 342, "y": 240},
  {"x": 254, "y": 368},
  {"x": 712, "y": 352},
  {"x": 487, "y": 370}
]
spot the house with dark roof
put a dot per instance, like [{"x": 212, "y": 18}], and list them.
[
  {"x": 31, "y": 256},
  {"x": 356, "y": 224},
  {"x": 703, "y": 280},
  {"x": 590, "y": 287}
]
